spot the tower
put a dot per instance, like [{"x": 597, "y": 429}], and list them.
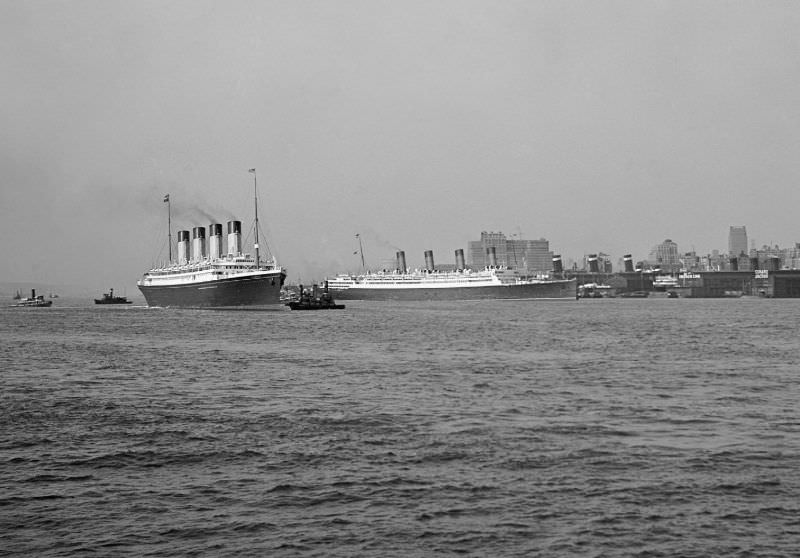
[{"x": 737, "y": 241}]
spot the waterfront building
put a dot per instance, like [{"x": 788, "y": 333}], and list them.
[
  {"x": 665, "y": 256},
  {"x": 532, "y": 256},
  {"x": 791, "y": 259},
  {"x": 690, "y": 261}
]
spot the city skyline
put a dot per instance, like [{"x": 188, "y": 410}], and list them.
[{"x": 600, "y": 127}]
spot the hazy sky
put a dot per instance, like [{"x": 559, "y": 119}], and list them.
[{"x": 599, "y": 125}]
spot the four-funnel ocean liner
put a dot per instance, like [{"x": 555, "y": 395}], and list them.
[
  {"x": 493, "y": 282},
  {"x": 213, "y": 279},
  {"x": 208, "y": 277}
]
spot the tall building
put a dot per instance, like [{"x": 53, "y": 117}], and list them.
[
  {"x": 532, "y": 256},
  {"x": 666, "y": 256},
  {"x": 737, "y": 241}
]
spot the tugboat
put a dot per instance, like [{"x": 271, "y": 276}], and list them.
[
  {"x": 33, "y": 301},
  {"x": 313, "y": 301},
  {"x": 109, "y": 298}
]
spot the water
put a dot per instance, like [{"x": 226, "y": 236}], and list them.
[{"x": 572, "y": 428}]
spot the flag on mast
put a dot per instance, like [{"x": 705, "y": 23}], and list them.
[
  {"x": 252, "y": 170},
  {"x": 166, "y": 198}
]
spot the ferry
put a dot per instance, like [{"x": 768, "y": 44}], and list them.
[{"x": 33, "y": 301}]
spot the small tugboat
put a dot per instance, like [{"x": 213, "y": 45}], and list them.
[
  {"x": 109, "y": 298},
  {"x": 313, "y": 301},
  {"x": 595, "y": 290},
  {"x": 33, "y": 301}
]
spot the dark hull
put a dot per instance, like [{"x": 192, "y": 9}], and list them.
[
  {"x": 550, "y": 290},
  {"x": 115, "y": 301},
  {"x": 233, "y": 292},
  {"x": 312, "y": 306}
]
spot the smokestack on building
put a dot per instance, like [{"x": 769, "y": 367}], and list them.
[
  {"x": 198, "y": 243},
  {"x": 734, "y": 264},
  {"x": 491, "y": 256},
  {"x": 234, "y": 238},
  {"x": 429, "y": 260},
  {"x": 183, "y": 247},
  {"x": 401, "y": 261},
  {"x": 460, "y": 264},
  {"x": 628, "y": 262},
  {"x": 754, "y": 263},
  {"x": 593, "y": 267},
  {"x": 558, "y": 265},
  {"x": 214, "y": 241}
]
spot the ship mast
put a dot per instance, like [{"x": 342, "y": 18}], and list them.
[
  {"x": 361, "y": 251},
  {"x": 255, "y": 198},
  {"x": 169, "y": 226}
]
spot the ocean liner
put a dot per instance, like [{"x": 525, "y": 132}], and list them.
[
  {"x": 493, "y": 282},
  {"x": 206, "y": 277}
]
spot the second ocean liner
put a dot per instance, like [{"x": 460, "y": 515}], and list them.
[
  {"x": 206, "y": 277},
  {"x": 493, "y": 282}
]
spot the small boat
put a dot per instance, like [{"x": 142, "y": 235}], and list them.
[
  {"x": 33, "y": 301},
  {"x": 733, "y": 294},
  {"x": 595, "y": 290},
  {"x": 635, "y": 294},
  {"x": 313, "y": 301},
  {"x": 109, "y": 298}
]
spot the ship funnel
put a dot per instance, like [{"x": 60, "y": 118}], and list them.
[
  {"x": 558, "y": 266},
  {"x": 234, "y": 238},
  {"x": 401, "y": 261},
  {"x": 491, "y": 256},
  {"x": 429, "y": 260},
  {"x": 734, "y": 264},
  {"x": 628, "y": 261},
  {"x": 593, "y": 265},
  {"x": 183, "y": 247},
  {"x": 198, "y": 243},
  {"x": 214, "y": 241},
  {"x": 460, "y": 265}
]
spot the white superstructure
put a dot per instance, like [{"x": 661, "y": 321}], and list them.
[
  {"x": 208, "y": 270},
  {"x": 489, "y": 277}
]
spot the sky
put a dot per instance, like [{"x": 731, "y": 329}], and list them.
[{"x": 601, "y": 126}]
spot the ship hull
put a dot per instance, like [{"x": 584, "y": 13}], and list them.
[
  {"x": 545, "y": 290},
  {"x": 33, "y": 304},
  {"x": 234, "y": 292}
]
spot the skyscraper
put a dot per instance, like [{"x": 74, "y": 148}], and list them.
[
  {"x": 665, "y": 256},
  {"x": 528, "y": 255},
  {"x": 737, "y": 241}
]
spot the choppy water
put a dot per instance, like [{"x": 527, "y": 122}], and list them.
[{"x": 574, "y": 428}]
